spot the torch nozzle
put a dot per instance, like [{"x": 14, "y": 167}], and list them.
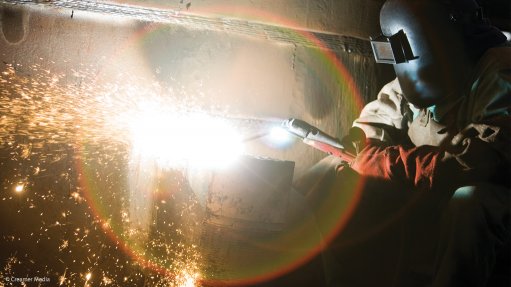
[
  {"x": 306, "y": 131},
  {"x": 317, "y": 138}
]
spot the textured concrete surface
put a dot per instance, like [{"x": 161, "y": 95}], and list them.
[
  {"x": 71, "y": 199},
  {"x": 242, "y": 75},
  {"x": 347, "y": 17},
  {"x": 69, "y": 58}
]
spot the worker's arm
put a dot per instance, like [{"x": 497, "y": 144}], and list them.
[
  {"x": 479, "y": 153},
  {"x": 386, "y": 118}
]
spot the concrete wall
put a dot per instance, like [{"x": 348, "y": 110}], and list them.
[
  {"x": 347, "y": 17},
  {"x": 61, "y": 67},
  {"x": 236, "y": 74},
  {"x": 72, "y": 195}
]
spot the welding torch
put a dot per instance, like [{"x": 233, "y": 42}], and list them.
[{"x": 317, "y": 139}]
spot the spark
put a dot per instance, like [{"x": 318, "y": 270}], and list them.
[
  {"x": 64, "y": 245},
  {"x": 106, "y": 224},
  {"x": 106, "y": 280},
  {"x": 19, "y": 188},
  {"x": 187, "y": 279},
  {"x": 62, "y": 278},
  {"x": 76, "y": 196},
  {"x": 96, "y": 124}
]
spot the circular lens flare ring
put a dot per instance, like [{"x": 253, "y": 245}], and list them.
[{"x": 138, "y": 128}]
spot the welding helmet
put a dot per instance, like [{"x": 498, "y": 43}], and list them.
[{"x": 429, "y": 44}]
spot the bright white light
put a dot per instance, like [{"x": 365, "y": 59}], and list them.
[
  {"x": 182, "y": 140},
  {"x": 279, "y": 137},
  {"x": 186, "y": 279},
  {"x": 19, "y": 188}
]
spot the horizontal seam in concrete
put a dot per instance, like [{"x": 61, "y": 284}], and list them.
[{"x": 335, "y": 42}]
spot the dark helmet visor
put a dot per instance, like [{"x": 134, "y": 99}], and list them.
[{"x": 392, "y": 50}]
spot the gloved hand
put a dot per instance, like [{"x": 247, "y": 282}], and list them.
[
  {"x": 476, "y": 149},
  {"x": 354, "y": 141},
  {"x": 472, "y": 157}
]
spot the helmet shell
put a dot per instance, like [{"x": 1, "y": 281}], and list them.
[{"x": 438, "y": 73}]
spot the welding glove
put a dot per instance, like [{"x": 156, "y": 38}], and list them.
[{"x": 483, "y": 150}]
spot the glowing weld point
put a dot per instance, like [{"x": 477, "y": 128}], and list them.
[
  {"x": 185, "y": 139},
  {"x": 279, "y": 137},
  {"x": 88, "y": 276},
  {"x": 280, "y": 134}
]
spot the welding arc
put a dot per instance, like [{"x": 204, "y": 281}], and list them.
[
  {"x": 270, "y": 120},
  {"x": 254, "y": 137}
]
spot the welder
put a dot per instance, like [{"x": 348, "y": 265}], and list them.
[{"x": 440, "y": 136}]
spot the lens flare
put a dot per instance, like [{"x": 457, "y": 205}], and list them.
[{"x": 96, "y": 124}]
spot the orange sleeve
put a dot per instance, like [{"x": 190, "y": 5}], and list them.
[{"x": 428, "y": 167}]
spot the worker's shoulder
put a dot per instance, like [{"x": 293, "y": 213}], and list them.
[
  {"x": 497, "y": 57},
  {"x": 494, "y": 68},
  {"x": 490, "y": 92}
]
